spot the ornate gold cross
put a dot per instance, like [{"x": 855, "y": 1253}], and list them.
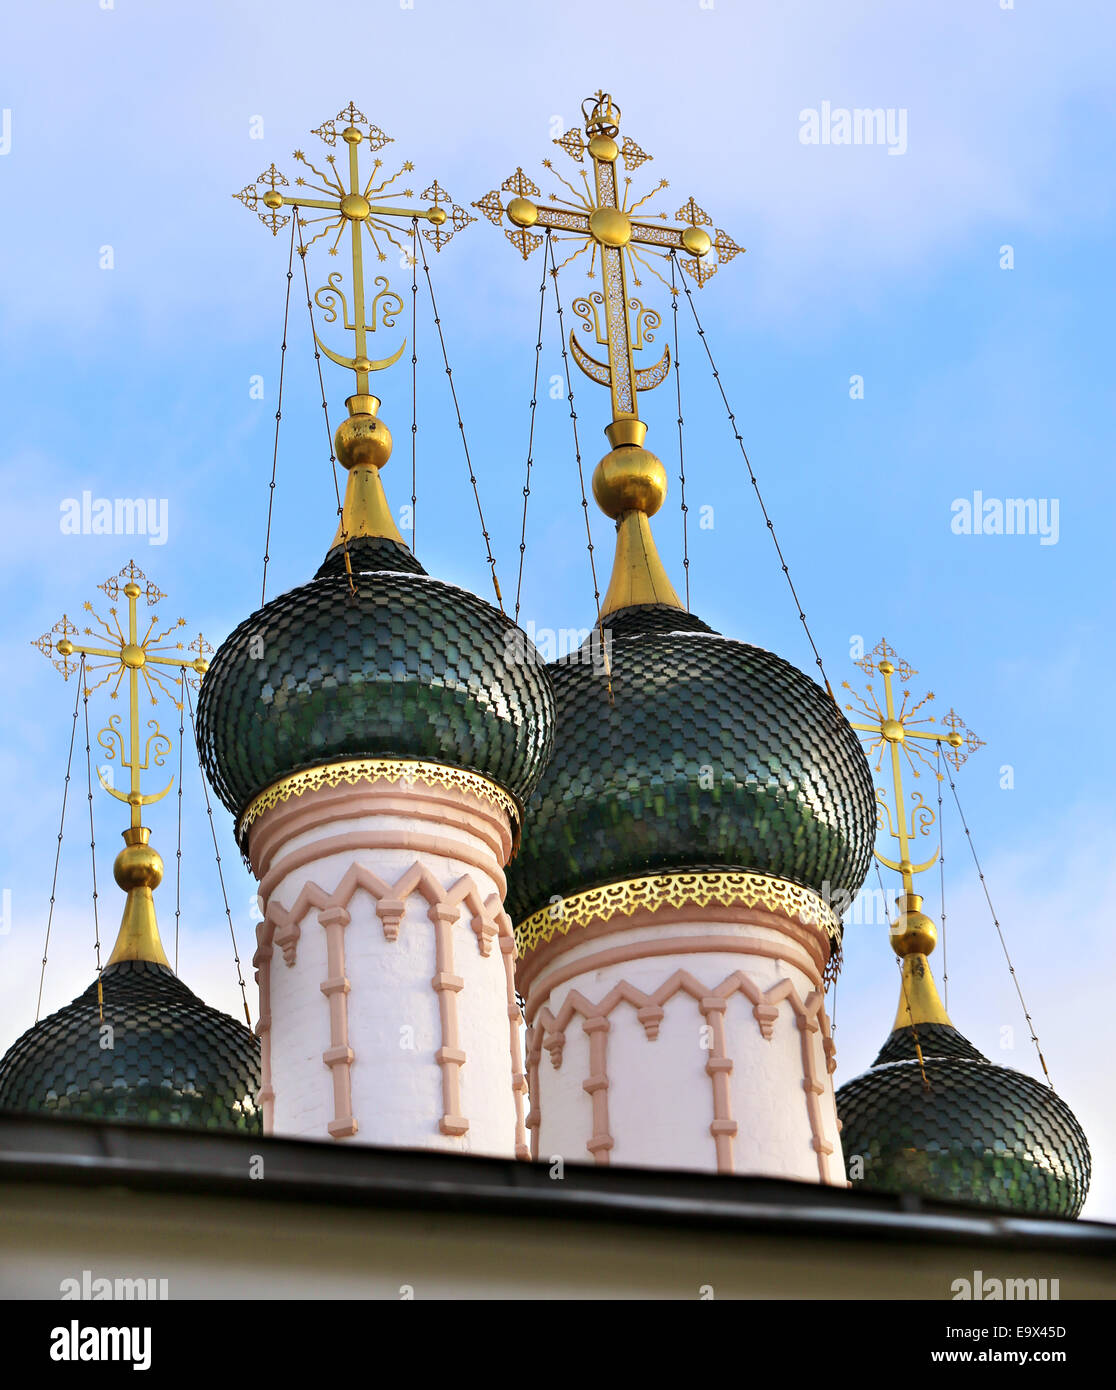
[
  {"x": 353, "y": 208},
  {"x": 138, "y": 868},
  {"x": 601, "y": 219},
  {"x": 145, "y": 658},
  {"x": 894, "y": 729}
]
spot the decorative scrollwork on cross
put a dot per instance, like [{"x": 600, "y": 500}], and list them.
[
  {"x": 362, "y": 207},
  {"x": 891, "y": 730}
]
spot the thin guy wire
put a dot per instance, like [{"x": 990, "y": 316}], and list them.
[
  {"x": 92, "y": 843},
  {"x": 178, "y": 851},
  {"x": 577, "y": 456},
  {"x": 217, "y": 853},
  {"x": 759, "y": 496},
  {"x": 681, "y": 455},
  {"x": 941, "y": 877},
  {"x": 275, "y": 451},
  {"x": 461, "y": 427},
  {"x": 58, "y": 848},
  {"x": 530, "y": 442},
  {"x": 325, "y": 412},
  {"x": 999, "y": 932},
  {"x": 414, "y": 380}
]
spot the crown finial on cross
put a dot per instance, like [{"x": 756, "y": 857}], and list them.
[
  {"x": 601, "y": 218},
  {"x": 629, "y": 483}
]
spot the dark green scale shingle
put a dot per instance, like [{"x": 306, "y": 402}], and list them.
[
  {"x": 408, "y": 667},
  {"x": 979, "y": 1133},
  {"x": 791, "y": 792},
  {"x": 173, "y": 1059}
]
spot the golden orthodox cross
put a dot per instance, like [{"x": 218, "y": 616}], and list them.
[
  {"x": 894, "y": 729},
  {"x": 600, "y": 218},
  {"x": 149, "y": 659},
  {"x": 353, "y": 208}
]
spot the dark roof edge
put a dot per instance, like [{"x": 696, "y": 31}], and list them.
[{"x": 168, "y": 1159}]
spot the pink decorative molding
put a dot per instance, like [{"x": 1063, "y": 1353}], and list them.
[
  {"x": 515, "y": 1021},
  {"x": 543, "y": 984},
  {"x": 326, "y": 806},
  {"x": 806, "y": 946},
  {"x": 488, "y": 921},
  {"x": 339, "y": 1055},
  {"x": 548, "y": 1031}
]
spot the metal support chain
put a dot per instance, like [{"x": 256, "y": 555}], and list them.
[
  {"x": 530, "y": 442},
  {"x": 275, "y": 451},
  {"x": 580, "y": 470},
  {"x": 325, "y": 410},
  {"x": 681, "y": 455},
  {"x": 58, "y": 847},
  {"x": 217, "y": 855},
  {"x": 92, "y": 840},
  {"x": 941, "y": 877},
  {"x": 999, "y": 932},
  {"x": 461, "y": 427},
  {"x": 759, "y": 496},
  {"x": 178, "y": 852},
  {"x": 414, "y": 381}
]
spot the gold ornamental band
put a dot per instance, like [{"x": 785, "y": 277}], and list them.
[
  {"x": 401, "y": 770},
  {"x": 725, "y": 888}
]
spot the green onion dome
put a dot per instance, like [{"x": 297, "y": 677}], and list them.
[
  {"x": 712, "y": 754},
  {"x": 972, "y": 1132},
  {"x": 157, "y": 1056},
  {"x": 405, "y": 667}
]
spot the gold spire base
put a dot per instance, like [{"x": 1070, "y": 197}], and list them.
[
  {"x": 913, "y": 937},
  {"x": 138, "y": 870},
  {"x": 363, "y": 445},
  {"x": 638, "y": 575},
  {"x": 365, "y": 511},
  {"x": 919, "y": 1001}
]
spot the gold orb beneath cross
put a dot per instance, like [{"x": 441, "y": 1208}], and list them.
[
  {"x": 630, "y": 479},
  {"x": 362, "y": 441},
  {"x": 138, "y": 866},
  {"x": 912, "y": 932},
  {"x": 610, "y": 226}
]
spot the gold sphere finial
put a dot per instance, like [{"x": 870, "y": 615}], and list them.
[
  {"x": 912, "y": 932},
  {"x": 138, "y": 866},
  {"x": 629, "y": 479},
  {"x": 361, "y": 440}
]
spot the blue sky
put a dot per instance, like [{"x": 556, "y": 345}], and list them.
[{"x": 130, "y": 126}]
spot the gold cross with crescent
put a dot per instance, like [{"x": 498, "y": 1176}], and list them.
[
  {"x": 894, "y": 729},
  {"x": 147, "y": 658},
  {"x": 354, "y": 208},
  {"x": 601, "y": 219}
]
